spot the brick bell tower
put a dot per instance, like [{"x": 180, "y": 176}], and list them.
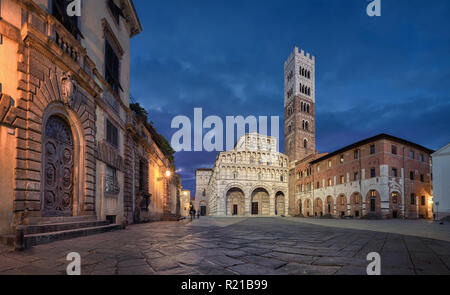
[{"x": 299, "y": 105}]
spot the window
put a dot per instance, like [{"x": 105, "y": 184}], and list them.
[
  {"x": 318, "y": 184},
  {"x": 411, "y": 175},
  {"x": 329, "y": 182},
  {"x": 204, "y": 193},
  {"x": 394, "y": 172},
  {"x": 300, "y": 175},
  {"x": 112, "y": 65},
  {"x": 356, "y": 154},
  {"x": 305, "y": 144},
  {"x": 422, "y": 178},
  {"x": 112, "y": 134},
  {"x": 413, "y": 199},
  {"x": 59, "y": 11},
  {"x": 422, "y": 200},
  {"x": 281, "y": 178},
  {"x": 110, "y": 180},
  {"x": 342, "y": 179},
  {"x": 422, "y": 158},
  {"x": 411, "y": 154},
  {"x": 342, "y": 159},
  {"x": 329, "y": 163},
  {"x": 355, "y": 176},
  {"x": 115, "y": 10},
  {"x": 373, "y": 173},
  {"x": 394, "y": 150},
  {"x": 373, "y": 194},
  {"x": 394, "y": 196},
  {"x": 357, "y": 199},
  {"x": 372, "y": 149}
]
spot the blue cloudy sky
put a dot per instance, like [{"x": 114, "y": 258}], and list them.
[{"x": 386, "y": 74}]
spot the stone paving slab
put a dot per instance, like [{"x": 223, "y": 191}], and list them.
[{"x": 241, "y": 246}]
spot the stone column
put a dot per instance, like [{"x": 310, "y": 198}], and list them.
[{"x": 272, "y": 205}]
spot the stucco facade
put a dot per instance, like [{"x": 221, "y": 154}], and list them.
[{"x": 441, "y": 181}]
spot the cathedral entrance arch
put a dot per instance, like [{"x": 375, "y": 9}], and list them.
[
  {"x": 235, "y": 202},
  {"x": 280, "y": 204},
  {"x": 260, "y": 204}
]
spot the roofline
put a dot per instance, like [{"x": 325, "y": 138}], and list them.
[
  {"x": 138, "y": 21},
  {"x": 436, "y": 153},
  {"x": 371, "y": 139},
  {"x": 203, "y": 169}
]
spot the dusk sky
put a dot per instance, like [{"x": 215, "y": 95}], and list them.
[{"x": 388, "y": 74}]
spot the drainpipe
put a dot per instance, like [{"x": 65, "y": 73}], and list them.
[
  {"x": 403, "y": 186},
  {"x": 364, "y": 209},
  {"x": 312, "y": 188}
]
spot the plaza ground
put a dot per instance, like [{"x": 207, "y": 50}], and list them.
[{"x": 253, "y": 246}]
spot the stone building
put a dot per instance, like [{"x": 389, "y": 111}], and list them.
[
  {"x": 75, "y": 152},
  {"x": 186, "y": 202},
  {"x": 251, "y": 180},
  {"x": 383, "y": 176},
  {"x": 201, "y": 201}
]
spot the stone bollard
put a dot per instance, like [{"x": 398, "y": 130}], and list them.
[{"x": 19, "y": 243}]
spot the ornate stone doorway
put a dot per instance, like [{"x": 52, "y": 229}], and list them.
[{"x": 58, "y": 168}]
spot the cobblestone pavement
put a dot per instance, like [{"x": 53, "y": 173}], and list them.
[{"x": 234, "y": 246}]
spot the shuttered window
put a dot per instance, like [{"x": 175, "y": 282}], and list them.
[
  {"x": 112, "y": 67},
  {"x": 112, "y": 134}
]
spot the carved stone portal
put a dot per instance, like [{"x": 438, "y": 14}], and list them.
[{"x": 58, "y": 169}]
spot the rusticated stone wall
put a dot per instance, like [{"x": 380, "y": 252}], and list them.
[{"x": 48, "y": 88}]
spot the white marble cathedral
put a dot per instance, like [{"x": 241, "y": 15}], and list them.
[{"x": 250, "y": 180}]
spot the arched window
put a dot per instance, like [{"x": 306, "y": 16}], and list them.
[
  {"x": 303, "y": 124},
  {"x": 309, "y": 91},
  {"x": 204, "y": 193},
  {"x": 305, "y": 144},
  {"x": 307, "y": 109},
  {"x": 306, "y": 126}
]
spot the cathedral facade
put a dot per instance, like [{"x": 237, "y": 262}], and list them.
[{"x": 251, "y": 180}]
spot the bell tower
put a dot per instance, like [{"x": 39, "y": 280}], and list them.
[{"x": 299, "y": 105}]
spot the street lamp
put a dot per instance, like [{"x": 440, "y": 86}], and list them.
[{"x": 168, "y": 173}]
